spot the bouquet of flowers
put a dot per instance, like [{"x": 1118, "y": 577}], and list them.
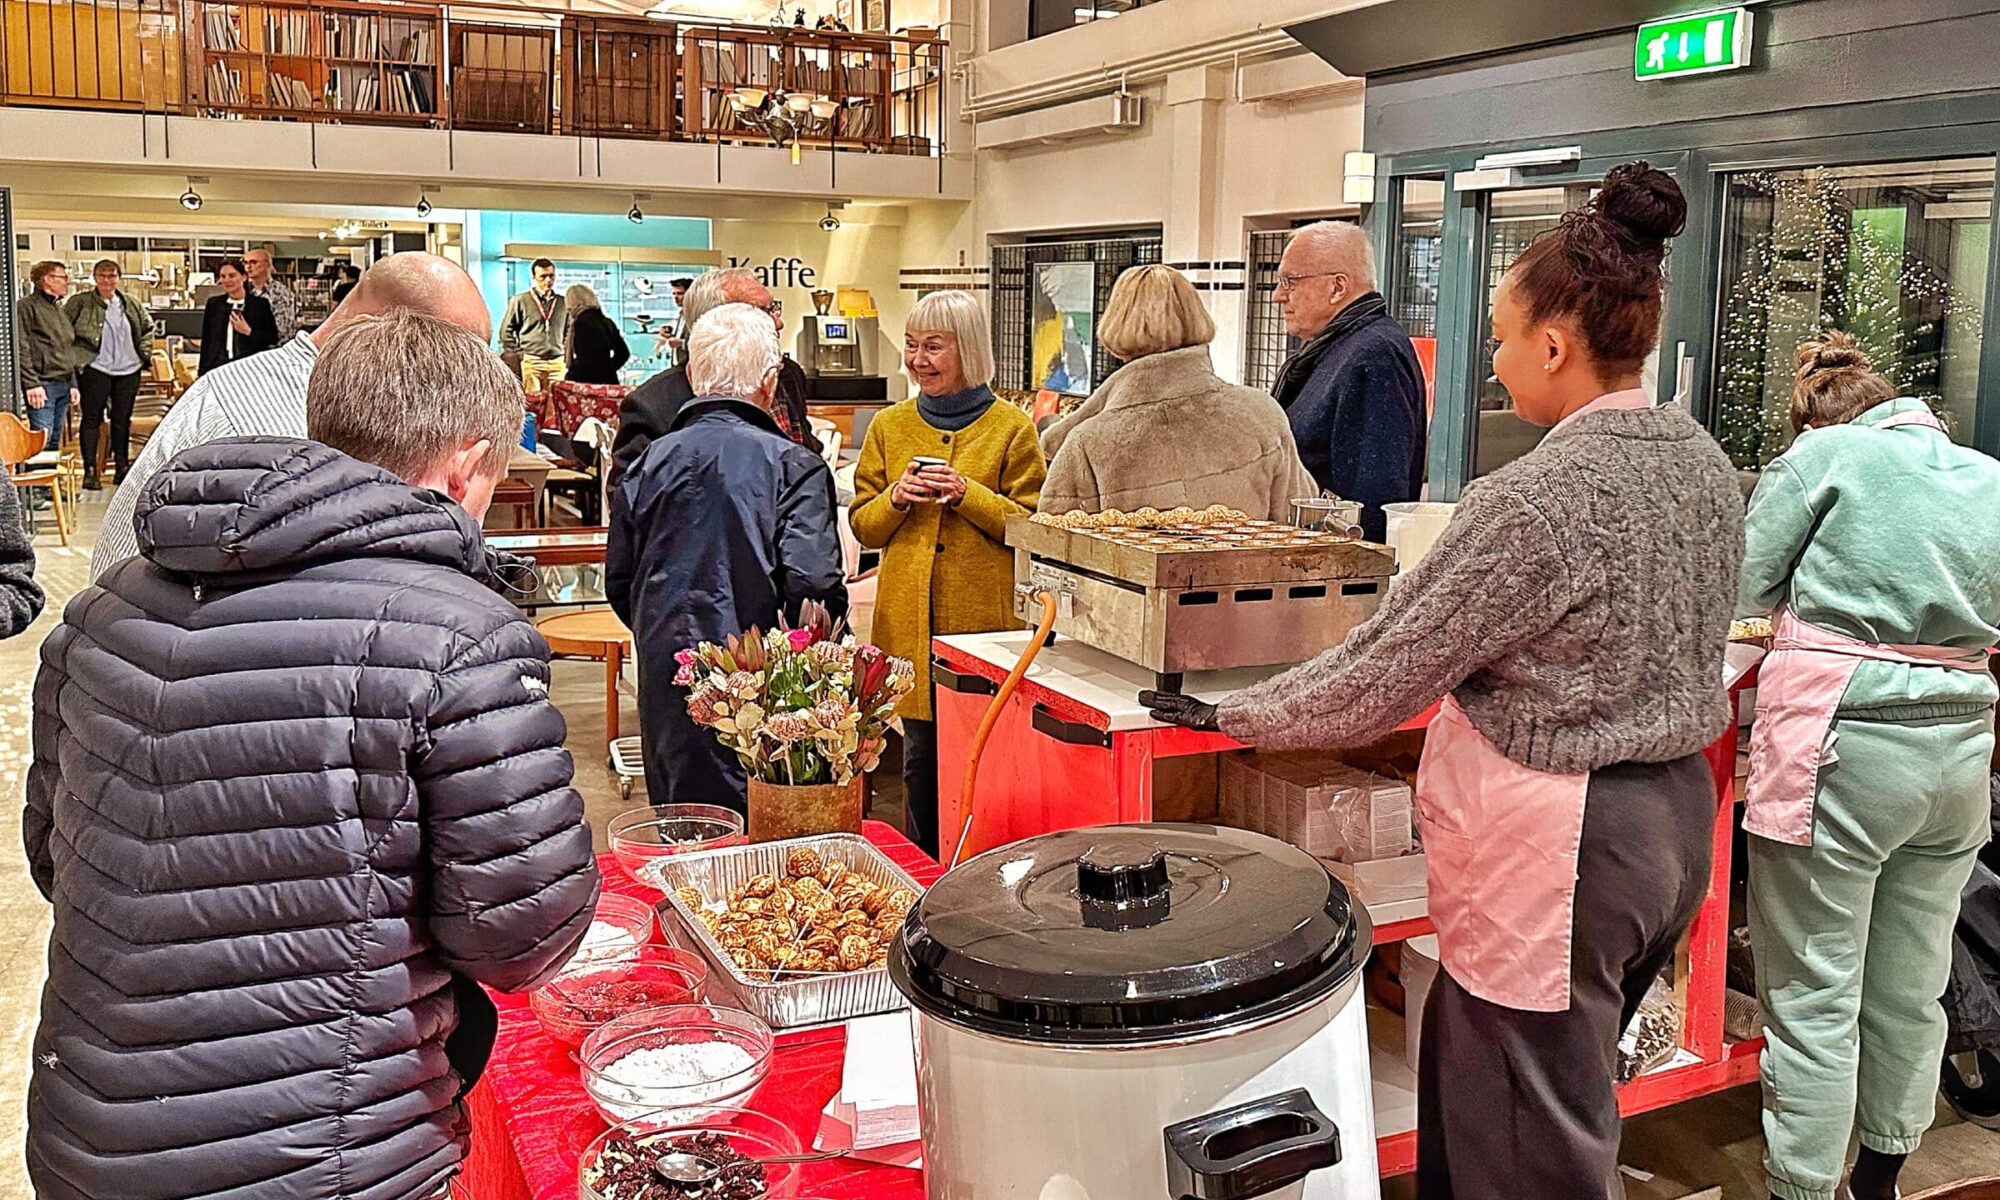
[{"x": 799, "y": 705}]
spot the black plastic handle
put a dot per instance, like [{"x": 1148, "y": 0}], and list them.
[
  {"x": 1251, "y": 1149},
  {"x": 962, "y": 682},
  {"x": 1070, "y": 733}
]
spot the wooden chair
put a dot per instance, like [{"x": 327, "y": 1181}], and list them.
[
  {"x": 518, "y": 498},
  {"x": 595, "y": 633},
  {"x": 29, "y": 465}
]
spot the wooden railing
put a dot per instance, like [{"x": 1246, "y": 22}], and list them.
[{"x": 407, "y": 62}]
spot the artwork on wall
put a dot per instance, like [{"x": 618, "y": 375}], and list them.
[
  {"x": 1064, "y": 326},
  {"x": 875, "y": 16}
]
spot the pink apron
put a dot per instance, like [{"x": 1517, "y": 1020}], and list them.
[
  {"x": 1500, "y": 847},
  {"x": 1799, "y": 687}
]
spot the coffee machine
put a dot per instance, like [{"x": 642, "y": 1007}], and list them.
[{"x": 835, "y": 344}]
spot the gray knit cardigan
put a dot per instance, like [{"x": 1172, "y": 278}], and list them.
[{"x": 1577, "y": 608}]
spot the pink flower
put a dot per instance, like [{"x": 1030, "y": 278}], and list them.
[
  {"x": 799, "y": 638},
  {"x": 684, "y": 657},
  {"x": 684, "y": 675}
]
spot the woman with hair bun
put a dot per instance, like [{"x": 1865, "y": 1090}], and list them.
[
  {"x": 1874, "y": 542},
  {"x": 1573, "y": 616}
]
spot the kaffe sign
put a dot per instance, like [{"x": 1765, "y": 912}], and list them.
[{"x": 1696, "y": 44}]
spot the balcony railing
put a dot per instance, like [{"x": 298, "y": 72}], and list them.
[{"x": 459, "y": 67}]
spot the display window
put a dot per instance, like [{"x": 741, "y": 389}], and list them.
[{"x": 1895, "y": 254}]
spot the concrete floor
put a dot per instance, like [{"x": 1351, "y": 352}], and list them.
[{"x": 1691, "y": 1150}]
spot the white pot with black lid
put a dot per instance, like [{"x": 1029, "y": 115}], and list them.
[{"x": 1141, "y": 1012}]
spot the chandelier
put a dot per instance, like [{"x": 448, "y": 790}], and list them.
[{"x": 783, "y": 116}]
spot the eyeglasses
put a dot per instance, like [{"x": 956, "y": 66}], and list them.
[{"x": 1287, "y": 282}]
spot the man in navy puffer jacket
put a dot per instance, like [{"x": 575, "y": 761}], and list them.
[{"x": 297, "y": 790}]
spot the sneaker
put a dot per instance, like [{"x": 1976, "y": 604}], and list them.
[
  {"x": 42, "y": 504},
  {"x": 90, "y": 484}
]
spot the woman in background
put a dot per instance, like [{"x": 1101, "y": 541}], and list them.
[
  {"x": 1875, "y": 543},
  {"x": 235, "y": 324},
  {"x": 941, "y": 524},
  {"x": 594, "y": 349},
  {"x": 1164, "y": 430}
]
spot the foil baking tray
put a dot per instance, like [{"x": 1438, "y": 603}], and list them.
[{"x": 790, "y": 1003}]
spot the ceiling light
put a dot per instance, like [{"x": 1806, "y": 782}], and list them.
[
  {"x": 829, "y": 222},
  {"x": 800, "y": 102},
  {"x": 824, "y": 108},
  {"x": 635, "y": 216},
  {"x": 191, "y": 199},
  {"x": 750, "y": 97},
  {"x": 423, "y": 205}
]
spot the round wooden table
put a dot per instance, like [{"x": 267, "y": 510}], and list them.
[{"x": 594, "y": 633}]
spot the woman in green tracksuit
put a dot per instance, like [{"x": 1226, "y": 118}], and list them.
[{"x": 1875, "y": 543}]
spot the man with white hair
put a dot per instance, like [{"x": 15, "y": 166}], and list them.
[
  {"x": 649, "y": 411},
  {"x": 1355, "y": 393},
  {"x": 720, "y": 524}
]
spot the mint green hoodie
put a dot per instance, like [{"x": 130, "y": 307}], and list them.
[{"x": 1887, "y": 535}]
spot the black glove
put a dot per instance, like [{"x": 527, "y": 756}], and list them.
[{"x": 1176, "y": 709}]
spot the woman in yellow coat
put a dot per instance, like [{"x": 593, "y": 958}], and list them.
[{"x": 938, "y": 477}]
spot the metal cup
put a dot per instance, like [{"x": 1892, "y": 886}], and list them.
[{"x": 1328, "y": 514}]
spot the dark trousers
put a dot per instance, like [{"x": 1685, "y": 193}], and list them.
[
  {"x": 685, "y": 763},
  {"x": 114, "y": 394},
  {"x": 1515, "y": 1105},
  {"x": 920, "y": 784}
]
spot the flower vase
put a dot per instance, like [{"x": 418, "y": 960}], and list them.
[{"x": 780, "y": 810}]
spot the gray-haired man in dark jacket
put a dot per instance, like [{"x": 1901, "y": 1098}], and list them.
[{"x": 297, "y": 790}]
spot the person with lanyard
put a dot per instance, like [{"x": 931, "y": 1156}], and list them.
[
  {"x": 937, "y": 479},
  {"x": 1574, "y": 616},
  {"x": 1874, "y": 542},
  {"x": 532, "y": 329},
  {"x": 118, "y": 333}
]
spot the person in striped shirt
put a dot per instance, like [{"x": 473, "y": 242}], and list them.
[{"x": 266, "y": 393}]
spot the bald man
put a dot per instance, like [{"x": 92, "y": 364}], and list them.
[
  {"x": 266, "y": 393},
  {"x": 1354, "y": 391}
]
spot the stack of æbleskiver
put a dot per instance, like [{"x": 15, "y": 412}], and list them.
[{"x": 818, "y": 917}]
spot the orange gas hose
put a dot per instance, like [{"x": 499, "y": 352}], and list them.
[{"x": 992, "y": 718}]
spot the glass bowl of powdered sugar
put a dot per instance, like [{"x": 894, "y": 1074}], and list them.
[
  {"x": 675, "y": 1063},
  {"x": 619, "y": 927}
]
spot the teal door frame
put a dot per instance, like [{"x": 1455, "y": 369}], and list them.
[{"x": 1701, "y": 155}]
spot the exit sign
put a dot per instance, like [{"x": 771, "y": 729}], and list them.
[{"x": 1696, "y": 44}]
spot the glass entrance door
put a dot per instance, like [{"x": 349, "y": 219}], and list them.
[{"x": 1895, "y": 254}]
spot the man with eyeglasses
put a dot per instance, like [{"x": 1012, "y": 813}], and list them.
[
  {"x": 48, "y": 352},
  {"x": 650, "y": 410},
  {"x": 1354, "y": 391}
]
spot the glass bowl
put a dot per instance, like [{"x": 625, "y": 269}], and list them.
[
  {"x": 620, "y": 927},
  {"x": 750, "y": 1134},
  {"x": 581, "y": 999},
  {"x": 697, "y": 1058},
  {"x": 643, "y": 835}
]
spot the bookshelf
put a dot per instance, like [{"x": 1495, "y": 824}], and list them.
[
  {"x": 619, "y": 78},
  {"x": 502, "y": 77},
  {"x": 713, "y": 62},
  {"x": 328, "y": 60}
]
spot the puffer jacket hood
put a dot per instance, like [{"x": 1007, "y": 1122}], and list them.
[
  {"x": 248, "y": 506},
  {"x": 297, "y": 790}
]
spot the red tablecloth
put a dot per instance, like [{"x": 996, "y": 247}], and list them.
[{"x": 531, "y": 1119}]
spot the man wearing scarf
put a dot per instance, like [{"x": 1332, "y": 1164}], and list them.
[{"x": 1354, "y": 391}]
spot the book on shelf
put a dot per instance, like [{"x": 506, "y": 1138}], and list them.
[
  {"x": 287, "y": 32},
  {"x": 351, "y": 36},
  {"x": 354, "y": 89},
  {"x": 219, "y": 29},
  {"x": 287, "y": 92},
  {"x": 225, "y": 85},
  {"x": 416, "y": 45}
]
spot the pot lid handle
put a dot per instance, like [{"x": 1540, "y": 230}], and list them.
[{"x": 1105, "y": 876}]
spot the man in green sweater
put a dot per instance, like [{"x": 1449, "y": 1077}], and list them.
[{"x": 532, "y": 329}]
